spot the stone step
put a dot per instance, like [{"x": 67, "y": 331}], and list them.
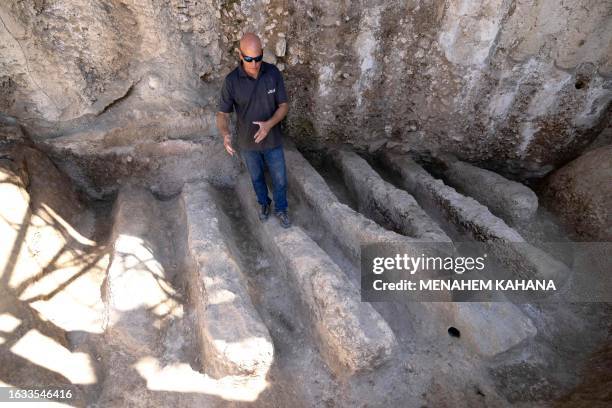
[
  {"x": 474, "y": 219},
  {"x": 233, "y": 338},
  {"x": 352, "y": 336},
  {"x": 385, "y": 203},
  {"x": 138, "y": 294},
  {"x": 510, "y": 200}
]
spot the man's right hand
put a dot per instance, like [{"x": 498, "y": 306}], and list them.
[{"x": 227, "y": 143}]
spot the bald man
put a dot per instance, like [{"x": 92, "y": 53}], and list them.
[{"x": 256, "y": 92}]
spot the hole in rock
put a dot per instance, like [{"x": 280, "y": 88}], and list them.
[
  {"x": 454, "y": 332},
  {"x": 580, "y": 84}
]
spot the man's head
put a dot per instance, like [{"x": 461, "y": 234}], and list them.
[{"x": 251, "y": 53}]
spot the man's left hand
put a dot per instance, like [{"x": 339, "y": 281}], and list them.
[{"x": 261, "y": 134}]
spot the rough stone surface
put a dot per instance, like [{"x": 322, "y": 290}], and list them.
[
  {"x": 384, "y": 202},
  {"x": 461, "y": 210},
  {"x": 580, "y": 194},
  {"x": 509, "y": 200},
  {"x": 345, "y": 225},
  {"x": 136, "y": 287},
  {"x": 56, "y": 330},
  {"x": 462, "y": 76},
  {"x": 470, "y": 217},
  {"x": 13, "y": 188},
  {"x": 148, "y": 354},
  {"x": 122, "y": 66},
  {"x": 162, "y": 165},
  {"x": 526, "y": 83},
  {"x": 46, "y": 268},
  {"x": 488, "y": 328},
  {"x": 350, "y": 228},
  {"x": 234, "y": 340},
  {"x": 42, "y": 205},
  {"x": 353, "y": 335},
  {"x": 10, "y": 132}
]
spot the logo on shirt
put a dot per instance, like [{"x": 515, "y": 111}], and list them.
[{"x": 271, "y": 90}]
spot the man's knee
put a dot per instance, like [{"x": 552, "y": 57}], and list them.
[
  {"x": 257, "y": 176},
  {"x": 276, "y": 165},
  {"x": 280, "y": 183},
  {"x": 278, "y": 174}
]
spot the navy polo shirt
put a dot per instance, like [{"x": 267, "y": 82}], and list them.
[{"x": 254, "y": 100}]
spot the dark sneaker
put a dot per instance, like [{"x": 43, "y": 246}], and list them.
[
  {"x": 265, "y": 212},
  {"x": 283, "y": 218}
]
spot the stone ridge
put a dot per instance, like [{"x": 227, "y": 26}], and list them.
[
  {"x": 217, "y": 286},
  {"x": 352, "y": 335}
]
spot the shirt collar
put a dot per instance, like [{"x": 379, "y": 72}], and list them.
[{"x": 243, "y": 73}]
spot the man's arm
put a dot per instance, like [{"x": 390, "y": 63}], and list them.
[
  {"x": 223, "y": 126},
  {"x": 264, "y": 127}
]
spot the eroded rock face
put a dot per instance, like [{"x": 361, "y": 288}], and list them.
[
  {"x": 580, "y": 193},
  {"x": 115, "y": 69},
  {"x": 523, "y": 83}
]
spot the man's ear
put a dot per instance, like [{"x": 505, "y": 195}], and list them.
[{"x": 237, "y": 50}]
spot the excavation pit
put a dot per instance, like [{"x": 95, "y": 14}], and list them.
[{"x": 173, "y": 293}]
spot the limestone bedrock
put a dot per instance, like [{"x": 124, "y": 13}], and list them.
[{"x": 520, "y": 86}]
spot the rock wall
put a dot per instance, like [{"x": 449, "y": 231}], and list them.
[
  {"x": 580, "y": 194},
  {"x": 521, "y": 85}
]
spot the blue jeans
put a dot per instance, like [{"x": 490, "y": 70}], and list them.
[{"x": 274, "y": 159}]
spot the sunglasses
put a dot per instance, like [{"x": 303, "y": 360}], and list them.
[{"x": 250, "y": 59}]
